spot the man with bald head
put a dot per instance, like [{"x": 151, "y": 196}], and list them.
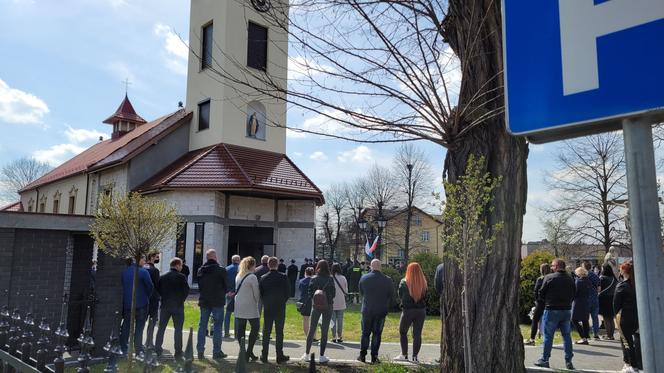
[
  {"x": 213, "y": 286},
  {"x": 377, "y": 294}
]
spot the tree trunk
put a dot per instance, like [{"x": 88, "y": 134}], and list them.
[
  {"x": 406, "y": 244},
  {"x": 473, "y": 29}
]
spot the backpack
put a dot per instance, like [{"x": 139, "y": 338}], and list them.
[{"x": 320, "y": 299}]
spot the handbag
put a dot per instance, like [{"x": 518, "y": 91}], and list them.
[
  {"x": 320, "y": 299},
  {"x": 230, "y": 307}
]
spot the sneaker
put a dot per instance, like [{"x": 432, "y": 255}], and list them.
[
  {"x": 251, "y": 357},
  {"x": 362, "y": 358},
  {"x": 282, "y": 359},
  {"x": 596, "y": 337},
  {"x": 305, "y": 357},
  {"x": 219, "y": 355},
  {"x": 582, "y": 342},
  {"x": 334, "y": 340},
  {"x": 201, "y": 356},
  {"x": 541, "y": 363},
  {"x": 401, "y": 357},
  {"x": 415, "y": 359},
  {"x": 529, "y": 342},
  {"x": 263, "y": 359},
  {"x": 375, "y": 360},
  {"x": 322, "y": 359},
  {"x": 340, "y": 340},
  {"x": 569, "y": 365}
]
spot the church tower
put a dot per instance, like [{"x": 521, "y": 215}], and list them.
[{"x": 238, "y": 38}]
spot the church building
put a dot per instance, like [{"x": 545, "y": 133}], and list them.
[{"x": 220, "y": 159}]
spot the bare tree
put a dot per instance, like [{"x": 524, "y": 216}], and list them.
[
  {"x": 18, "y": 173},
  {"x": 589, "y": 182},
  {"x": 413, "y": 175},
  {"x": 558, "y": 234},
  {"x": 356, "y": 202},
  {"x": 390, "y": 71},
  {"x": 332, "y": 216}
]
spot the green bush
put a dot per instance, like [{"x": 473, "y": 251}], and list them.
[{"x": 530, "y": 271}]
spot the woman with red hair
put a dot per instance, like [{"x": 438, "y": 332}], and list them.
[{"x": 412, "y": 292}]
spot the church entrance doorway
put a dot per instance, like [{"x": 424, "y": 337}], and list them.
[{"x": 250, "y": 241}]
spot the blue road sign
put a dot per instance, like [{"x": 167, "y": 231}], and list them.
[{"x": 575, "y": 67}]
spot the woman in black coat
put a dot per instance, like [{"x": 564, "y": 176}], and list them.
[
  {"x": 545, "y": 269},
  {"x": 624, "y": 303},
  {"x": 607, "y": 284},
  {"x": 581, "y": 305}
]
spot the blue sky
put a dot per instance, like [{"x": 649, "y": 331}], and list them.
[{"x": 63, "y": 63}]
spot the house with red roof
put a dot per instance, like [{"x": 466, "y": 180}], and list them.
[{"x": 220, "y": 159}]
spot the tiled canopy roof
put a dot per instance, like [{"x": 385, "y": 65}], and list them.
[
  {"x": 237, "y": 168},
  {"x": 16, "y": 206},
  {"x": 99, "y": 151},
  {"x": 125, "y": 112}
]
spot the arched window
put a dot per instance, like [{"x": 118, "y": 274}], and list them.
[{"x": 256, "y": 120}]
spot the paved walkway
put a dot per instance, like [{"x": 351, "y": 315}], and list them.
[{"x": 599, "y": 356}]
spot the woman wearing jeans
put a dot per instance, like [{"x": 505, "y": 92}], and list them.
[
  {"x": 412, "y": 292},
  {"x": 322, "y": 281},
  {"x": 339, "y": 304}
]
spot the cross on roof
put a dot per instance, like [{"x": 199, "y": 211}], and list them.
[{"x": 126, "y": 83}]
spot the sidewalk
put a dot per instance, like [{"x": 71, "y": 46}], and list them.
[{"x": 599, "y": 356}]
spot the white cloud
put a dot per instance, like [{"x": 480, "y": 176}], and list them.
[
  {"x": 177, "y": 49},
  {"x": 318, "y": 156},
  {"x": 21, "y": 107},
  {"x": 328, "y": 122},
  {"x": 57, "y": 154},
  {"x": 361, "y": 154},
  {"x": 81, "y": 135}
]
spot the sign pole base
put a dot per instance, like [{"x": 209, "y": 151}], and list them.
[{"x": 646, "y": 240}]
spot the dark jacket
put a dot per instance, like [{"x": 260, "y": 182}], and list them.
[
  {"x": 438, "y": 279},
  {"x": 558, "y": 291},
  {"x": 144, "y": 287},
  {"x": 303, "y": 267},
  {"x": 354, "y": 278},
  {"x": 185, "y": 271},
  {"x": 407, "y": 302},
  {"x": 377, "y": 293},
  {"x": 261, "y": 270},
  {"x": 325, "y": 283},
  {"x": 581, "y": 306},
  {"x": 173, "y": 289},
  {"x": 154, "y": 275},
  {"x": 282, "y": 268},
  {"x": 305, "y": 299},
  {"x": 275, "y": 290},
  {"x": 538, "y": 287},
  {"x": 212, "y": 285},
  {"x": 608, "y": 288},
  {"x": 624, "y": 302},
  {"x": 292, "y": 271}
]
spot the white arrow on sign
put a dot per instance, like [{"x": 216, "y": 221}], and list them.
[{"x": 582, "y": 22}]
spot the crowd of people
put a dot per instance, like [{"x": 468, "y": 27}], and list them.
[
  {"x": 250, "y": 292},
  {"x": 565, "y": 300}
]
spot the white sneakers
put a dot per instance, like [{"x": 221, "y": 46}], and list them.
[
  {"x": 628, "y": 369},
  {"x": 401, "y": 358},
  {"x": 323, "y": 359},
  {"x": 305, "y": 357}
]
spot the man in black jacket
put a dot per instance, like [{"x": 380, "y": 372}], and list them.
[
  {"x": 275, "y": 292},
  {"x": 282, "y": 266},
  {"x": 292, "y": 277},
  {"x": 174, "y": 290},
  {"x": 303, "y": 268},
  {"x": 212, "y": 285},
  {"x": 153, "y": 307},
  {"x": 557, "y": 294},
  {"x": 378, "y": 293}
]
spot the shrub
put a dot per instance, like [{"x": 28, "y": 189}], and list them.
[{"x": 530, "y": 271}]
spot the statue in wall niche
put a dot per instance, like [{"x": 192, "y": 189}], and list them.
[{"x": 253, "y": 125}]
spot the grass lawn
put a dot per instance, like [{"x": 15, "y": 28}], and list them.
[
  {"x": 224, "y": 366},
  {"x": 352, "y": 330}
]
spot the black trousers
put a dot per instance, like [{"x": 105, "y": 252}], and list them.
[
  {"x": 583, "y": 327},
  {"x": 178, "y": 320},
  {"x": 631, "y": 352},
  {"x": 241, "y": 327},
  {"x": 276, "y": 316},
  {"x": 539, "y": 311}
]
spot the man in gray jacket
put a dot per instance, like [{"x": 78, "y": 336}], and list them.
[{"x": 377, "y": 291}]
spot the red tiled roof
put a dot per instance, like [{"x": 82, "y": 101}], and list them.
[
  {"x": 232, "y": 167},
  {"x": 99, "y": 151},
  {"x": 16, "y": 206},
  {"x": 125, "y": 112}
]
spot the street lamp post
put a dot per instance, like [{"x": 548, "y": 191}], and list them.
[{"x": 372, "y": 232}]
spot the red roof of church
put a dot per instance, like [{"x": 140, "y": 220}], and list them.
[
  {"x": 101, "y": 150},
  {"x": 16, "y": 206},
  {"x": 125, "y": 112},
  {"x": 237, "y": 168}
]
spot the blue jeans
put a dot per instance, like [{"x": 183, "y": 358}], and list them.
[
  {"x": 227, "y": 319},
  {"x": 557, "y": 319},
  {"x": 594, "y": 311},
  {"x": 141, "y": 317},
  {"x": 217, "y": 314},
  {"x": 337, "y": 324},
  {"x": 372, "y": 325}
]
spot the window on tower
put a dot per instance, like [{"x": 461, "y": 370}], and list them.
[
  {"x": 206, "y": 55},
  {"x": 257, "y": 47},
  {"x": 204, "y": 115}
]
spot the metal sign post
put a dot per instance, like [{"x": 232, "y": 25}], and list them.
[{"x": 646, "y": 240}]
